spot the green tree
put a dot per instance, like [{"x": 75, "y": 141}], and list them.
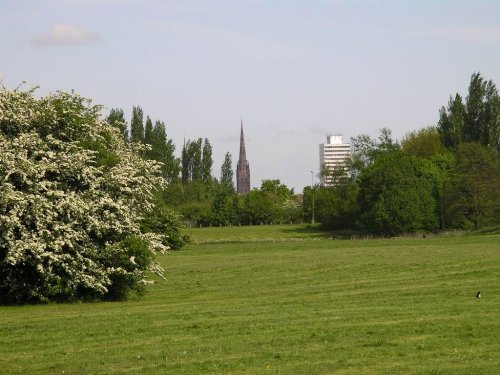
[
  {"x": 478, "y": 120},
  {"x": 472, "y": 197},
  {"x": 270, "y": 203},
  {"x": 227, "y": 174},
  {"x": 116, "y": 118},
  {"x": 364, "y": 151},
  {"x": 224, "y": 206},
  {"x": 195, "y": 155},
  {"x": 337, "y": 207},
  {"x": 397, "y": 195},
  {"x": 206, "y": 163},
  {"x": 163, "y": 150},
  {"x": 451, "y": 122},
  {"x": 425, "y": 143},
  {"x": 385, "y": 142},
  {"x": 137, "y": 125},
  {"x": 148, "y": 131},
  {"x": 191, "y": 160},
  {"x": 185, "y": 161},
  {"x": 164, "y": 221}
]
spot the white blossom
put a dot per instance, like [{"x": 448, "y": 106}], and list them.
[{"x": 61, "y": 213}]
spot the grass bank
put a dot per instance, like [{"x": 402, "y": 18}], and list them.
[{"x": 286, "y": 307}]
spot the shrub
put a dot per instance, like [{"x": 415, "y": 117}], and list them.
[{"x": 72, "y": 194}]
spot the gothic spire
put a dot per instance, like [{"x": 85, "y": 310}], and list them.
[
  {"x": 243, "y": 155},
  {"x": 242, "y": 168}
]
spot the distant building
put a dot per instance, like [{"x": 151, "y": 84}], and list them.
[
  {"x": 333, "y": 156},
  {"x": 243, "y": 168}
]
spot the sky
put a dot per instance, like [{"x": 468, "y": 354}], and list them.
[{"x": 293, "y": 71}]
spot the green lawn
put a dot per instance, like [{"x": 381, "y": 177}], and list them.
[
  {"x": 255, "y": 233},
  {"x": 297, "y": 306}
]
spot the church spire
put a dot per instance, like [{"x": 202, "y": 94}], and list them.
[
  {"x": 243, "y": 154},
  {"x": 243, "y": 168}
]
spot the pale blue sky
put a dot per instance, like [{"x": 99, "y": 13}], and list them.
[{"x": 293, "y": 70}]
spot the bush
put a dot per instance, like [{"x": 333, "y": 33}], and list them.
[
  {"x": 72, "y": 194},
  {"x": 397, "y": 195},
  {"x": 165, "y": 222}
]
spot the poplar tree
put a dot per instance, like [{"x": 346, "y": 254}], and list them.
[
  {"x": 163, "y": 150},
  {"x": 136, "y": 125},
  {"x": 476, "y": 120},
  {"x": 185, "y": 163},
  {"x": 116, "y": 118},
  {"x": 206, "y": 162},
  {"x": 195, "y": 156},
  {"x": 148, "y": 131},
  {"x": 227, "y": 174},
  {"x": 451, "y": 122}
]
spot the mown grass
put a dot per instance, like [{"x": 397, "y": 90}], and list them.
[
  {"x": 289, "y": 307},
  {"x": 256, "y": 233}
]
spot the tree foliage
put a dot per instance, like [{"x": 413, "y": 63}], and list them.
[
  {"x": 206, "y": 163},
  {"x": 472, "y": 195},
  {"x": 476, "y": 120},
  {"x": 73, "y": 193},
  {"x": 148, "y": 131},
  {"x": 397, "y": 195},
  {"x": 425, "y": 143},
  {"x": 116, "y": 118},
  {"x": 163, "y": 150},
  {"x": 227, "y": 174},
  {"x": 274, "y": 202},
  {"x": 137, "y": 125}
]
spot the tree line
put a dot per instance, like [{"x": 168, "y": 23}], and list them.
[
  {"x": 439, "y": 177},
  {"x": 436, "y": 178},
  {"x": 193, "y": 191}
]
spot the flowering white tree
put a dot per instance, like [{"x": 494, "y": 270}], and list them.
[{"x": 72, "y": 194}]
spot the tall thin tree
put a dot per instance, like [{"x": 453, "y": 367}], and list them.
[{"x": 137, "y": 125}]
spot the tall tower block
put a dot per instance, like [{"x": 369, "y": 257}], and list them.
[
  {"x": 243, "y": 168},
  {"x": 333, "y": 155}
]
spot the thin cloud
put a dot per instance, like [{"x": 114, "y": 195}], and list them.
[
  {"x": 92, "y": 3},
  {"x": 63, "y": 34},
  {"x": 248, "y": 45},
  {"x": 477, "y": 35}
]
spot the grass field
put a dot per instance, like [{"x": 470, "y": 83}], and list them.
[
  {"x": 297, "y": 305},
  {"x": 256, "y": 233}
]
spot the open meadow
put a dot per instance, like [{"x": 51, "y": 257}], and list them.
[{"x": 281, "y": 300}]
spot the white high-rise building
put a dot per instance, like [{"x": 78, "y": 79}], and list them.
[{"x": 333, "y": 155}]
